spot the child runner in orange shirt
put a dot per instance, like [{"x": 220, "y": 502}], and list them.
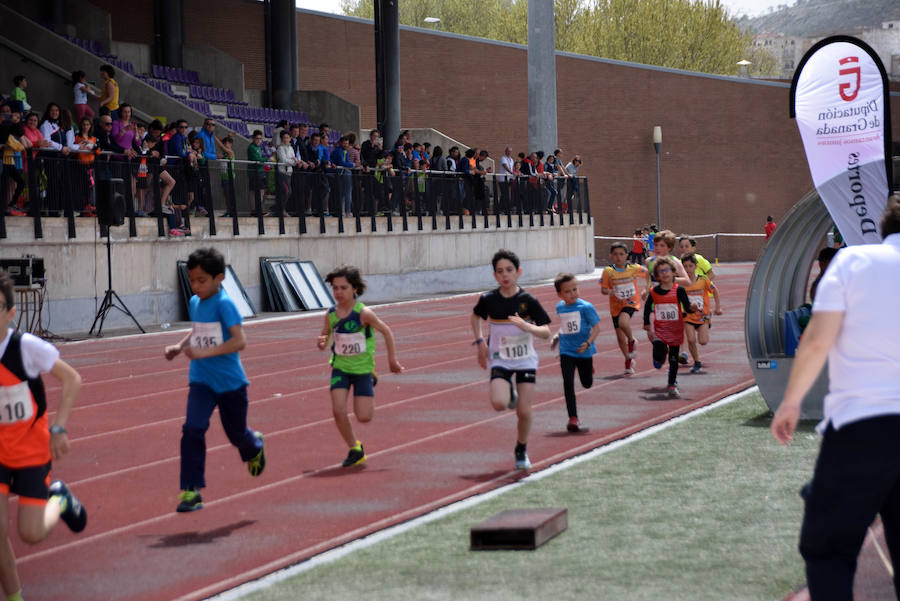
[
  {"x": 620, "y": 282},
  {"x": 666, "y": 302},
  {"x": 27, "y": 443},
  {"x": 697, "y": 323}
]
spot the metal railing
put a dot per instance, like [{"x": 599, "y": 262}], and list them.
[{"x": 224, "y": 190}]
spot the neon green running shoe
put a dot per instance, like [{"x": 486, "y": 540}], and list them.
[
  {"x": 356, "y": 456},
  {"x": 189, "y": 500},
  {"x": 258, "y": 463}
]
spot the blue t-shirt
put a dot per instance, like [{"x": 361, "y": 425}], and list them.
[
  {"x": 577, "y": 320},
  {"x": 212, "y": 319}
]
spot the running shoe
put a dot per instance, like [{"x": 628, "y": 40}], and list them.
[
  {"x": 631, "y": 351},
  {"x": 683, "y": 359},
  {"x": 356, "y": 456},
  {"x": 695, "y": 369},
  {"x": 175, "y": 232},
  {"x": 189, "y": 500},
  {"x": 72, "y": 512},
  {"x": 258, "y": 463},
  {"x": 522, "y": 462},
  {"x": 574, "y": 425},
  {"x": 513, "y": 396},
  {"x": 673, "y": 392},
  {"x": 629, "y": 366},
  {"x": 14, "y": 212}
]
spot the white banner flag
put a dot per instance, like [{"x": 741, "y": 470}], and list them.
[{"x": 839, "y": 97}]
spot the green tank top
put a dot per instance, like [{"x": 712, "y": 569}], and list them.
[{"x": 353, "y": 345}]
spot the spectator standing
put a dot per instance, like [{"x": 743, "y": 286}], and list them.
[
  {"x": 318, "y": 157},
  {"x": 18, "y": 92},
  {"x": 13, "y": 150},
  {"x": 354, "y": 151},
  {"x": 110, "y": 96},
  {"x": 284, "y": 155},
  {"x": 505, "y": 176},
  {"x": 256, "y": 176},
  {"x": 276, "y": 133},
  {"x": 87, "y": 145},
  {"x": 124, "y": 130},
  {"x": 572, "y": 171},
  {"x": 81, "y": 91},
  {"x": 370, "y": 150},
  {"x": 56, "y": 128},
  {"x": 856, "y": 474},
  {"x": 770, "y": 227},
  {"x": 340, "y": 158}
]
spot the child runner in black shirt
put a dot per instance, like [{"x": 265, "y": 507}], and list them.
[{"x": 514, "y": 318}]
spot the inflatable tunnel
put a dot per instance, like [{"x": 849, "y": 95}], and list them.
[{"x": 778, "y": 288}]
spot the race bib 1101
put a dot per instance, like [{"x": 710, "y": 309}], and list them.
[{"x": 515, "y": 347}]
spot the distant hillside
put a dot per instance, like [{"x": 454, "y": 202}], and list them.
[{"x": 819, "y": 17}]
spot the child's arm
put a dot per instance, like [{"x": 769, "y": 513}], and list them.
[
  {"x": 71, "y": 384},
  {"x": 369, "y": 318},
  {"x": 479, "y": 340},
  {"x": 173, "y": 349},
  {"x": 681, "y": 276},
  {"x": 604, "y": 284},
  {"x": 715, "y": 291},
  {"x": 535, "y": 330},
  {"x": 595, "y": 331},
  {"x": 322, "y": 341},
  {"x": 236, "y": 343},
  {"x": 648, "y": 311},
  {"x": 685, "y": 301}
]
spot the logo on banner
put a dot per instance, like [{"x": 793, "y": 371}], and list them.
[{"x": 853, "y": 72}]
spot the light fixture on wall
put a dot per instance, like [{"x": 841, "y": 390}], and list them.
[{"x": 433, "y": 21}]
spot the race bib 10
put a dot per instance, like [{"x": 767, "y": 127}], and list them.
[{"x": 15, "y": 403}]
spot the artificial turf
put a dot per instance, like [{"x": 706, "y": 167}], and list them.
[{"x": 706, "y": 509}]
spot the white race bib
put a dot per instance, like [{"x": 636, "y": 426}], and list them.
[
  {"x": 15, "y": 403},
  {"x": 697, "y": 301},
  {"x": 666, "y": 312},
  {"x": 346, "y": 344},
  {"x": 206, "y": 334},
  {"x": 571, "y": 323},
  {"x": 624, "y": 291},
  {"x": 515, "y": 347}
]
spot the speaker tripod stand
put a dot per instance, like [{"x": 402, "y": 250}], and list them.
[{"x": 111, "y": 300}]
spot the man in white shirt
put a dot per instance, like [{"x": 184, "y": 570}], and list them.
[{"x": 857, "y": 474}]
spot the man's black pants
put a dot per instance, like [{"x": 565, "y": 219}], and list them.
[{"x": 857, "y": 476}]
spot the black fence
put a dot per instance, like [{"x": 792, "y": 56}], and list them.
[{"x": 173, "y": 191}]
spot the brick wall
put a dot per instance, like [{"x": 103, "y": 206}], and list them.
[{"x": 730, "y": 154}]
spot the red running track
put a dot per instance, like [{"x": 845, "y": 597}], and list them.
[{"x": 434, "y": 440}]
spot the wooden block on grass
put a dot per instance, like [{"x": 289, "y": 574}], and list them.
[{"x": 519, "y": 529}]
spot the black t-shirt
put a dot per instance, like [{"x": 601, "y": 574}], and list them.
[{"x": 493, "y": 305}]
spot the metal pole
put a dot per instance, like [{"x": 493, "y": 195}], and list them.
[{"x": 658, "y": 201}]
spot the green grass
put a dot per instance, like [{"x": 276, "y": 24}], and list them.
[{"x": 706, "y": 509}]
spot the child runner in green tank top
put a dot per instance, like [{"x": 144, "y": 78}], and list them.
[{"x": 349, "y": 325}]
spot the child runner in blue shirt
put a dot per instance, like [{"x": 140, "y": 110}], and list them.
[
  {"x": 217, "y": 377},
  {"x": 579, "y": 326}
]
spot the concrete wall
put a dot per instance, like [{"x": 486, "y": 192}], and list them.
[
  {"x": 216, "y": 68},
  {"x": 323, "y": 106},
  {"x": 397, "y": 265}
]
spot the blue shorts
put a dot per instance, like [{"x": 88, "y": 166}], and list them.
[{"x": 363, "y": 384}]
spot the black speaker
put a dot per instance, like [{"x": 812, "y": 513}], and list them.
[{"x": 110, "y": 202}]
